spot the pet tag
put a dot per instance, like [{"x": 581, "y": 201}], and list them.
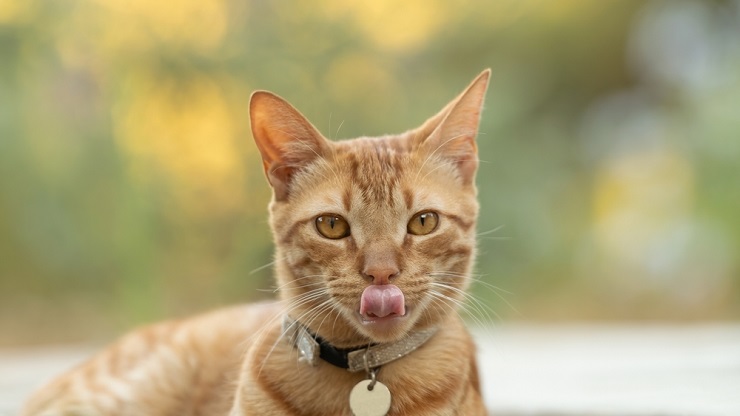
[{"x": 375, "y": 402}]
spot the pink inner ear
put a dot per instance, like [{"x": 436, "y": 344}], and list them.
[
  {"x": 467, "y": 157},
  {"x": 455, "y": 129},
  {"x": 457, "y": 148},
  {"x": 381, "y": 301},
  {"x": 285, "y": 138}
]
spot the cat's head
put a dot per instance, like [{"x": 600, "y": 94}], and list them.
[{"x": 374, "y": 236}]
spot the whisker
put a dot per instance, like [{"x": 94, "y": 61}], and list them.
[
  {"x": 267, "y": 265},
  {"x": 338, "y": 128},
  {"x": 295, "y": 280},
  {"x": 329, "y": 306},
  {"x": 285, "y": 332},
  {"x": 295, "y": 287},
  {"x": 449, "y": 301},
  {"x": 435, "y": 151},
  {"x": 478, "y": 320},
  {"x": 490, "y": 231},
  {"x": 476, "y": 278},
  {"x": 438, "y": 303},
  {"x": 495, "y": 289},
  {"x": 446, "y": 163},
  {"x": 480, "y": 306}
]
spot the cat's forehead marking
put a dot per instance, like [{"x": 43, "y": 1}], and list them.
[
  {"x": 374, "y": 167},
  {"x": 408, "y": 198}
]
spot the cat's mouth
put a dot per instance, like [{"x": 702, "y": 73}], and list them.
[
  {"x": 371, "y": 317},
  {"x": 380, "y": 303}
]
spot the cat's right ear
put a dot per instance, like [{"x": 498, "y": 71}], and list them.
[
  {"x": 286, "y": 140},
  {"x": 451, "y": 133}
]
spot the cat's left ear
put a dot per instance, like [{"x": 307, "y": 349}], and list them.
[
  {"x": 451, "y": 133},
  {"x": 286, "y": 140}
]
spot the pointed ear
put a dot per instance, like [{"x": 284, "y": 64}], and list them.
[
  {"x": 286, "y": 140},
  {"x": 451, "y": 133}
]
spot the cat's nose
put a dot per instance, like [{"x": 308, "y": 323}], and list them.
[{"x": 380, "y": 275}]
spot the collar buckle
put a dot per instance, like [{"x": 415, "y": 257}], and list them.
[{"x": 299, "y": 336}]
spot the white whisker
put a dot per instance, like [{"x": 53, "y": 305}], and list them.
[
  {"x": 490, "y": 231},
  {"x": 435, "y": 151}
]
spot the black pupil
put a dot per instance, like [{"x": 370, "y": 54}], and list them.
[
  {"x": 331, "y": 222},
  {"x": 422, "y": 218}
]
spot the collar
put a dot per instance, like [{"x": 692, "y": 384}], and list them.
[{"x": 366, "y": 357}]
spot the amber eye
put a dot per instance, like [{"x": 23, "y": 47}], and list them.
[
  {"x": 332, "y": 226},
  {"x": 423, "y": 223}
]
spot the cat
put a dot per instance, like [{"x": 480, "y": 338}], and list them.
[{"x": 374, "y": 241}]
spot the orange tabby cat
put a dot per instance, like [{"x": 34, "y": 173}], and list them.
[{"x": 375, "y": 240}]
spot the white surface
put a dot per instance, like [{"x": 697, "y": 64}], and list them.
[
  {"x": 531, "y": 370},
  {"x": 629, "y": 370},
  {"x": 21, "y": 371}
]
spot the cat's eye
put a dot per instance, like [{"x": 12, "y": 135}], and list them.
[
  {"x": 332, "y": 226},
  {"x": 423, "y": 223}
]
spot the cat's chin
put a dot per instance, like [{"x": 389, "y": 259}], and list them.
[{"x": 386, "y": 329}]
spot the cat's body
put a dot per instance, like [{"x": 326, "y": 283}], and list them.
[
  {"x": 375, "y": 240},
  {"x": 184, "y": 367}
]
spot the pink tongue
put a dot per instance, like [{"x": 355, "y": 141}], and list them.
[{"x": 382, "y": 300}]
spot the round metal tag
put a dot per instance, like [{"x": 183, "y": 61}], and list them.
[{"x": 375, "y": 402}]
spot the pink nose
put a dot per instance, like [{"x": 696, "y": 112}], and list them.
[{"x": 380, "y": 275}]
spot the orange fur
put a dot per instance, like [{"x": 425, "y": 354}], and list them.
[{"x": 235, "y": 362}]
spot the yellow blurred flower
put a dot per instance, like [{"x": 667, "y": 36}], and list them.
[
  {"x": 193, "y": 24},
  {"x": 14, "y": 10},
  {"x": 184, "y": 133}
]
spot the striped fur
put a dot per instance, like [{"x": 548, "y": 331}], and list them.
[{"x": 233, "y": 361}]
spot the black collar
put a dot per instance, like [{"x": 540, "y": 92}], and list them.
[
  {"x": 312, "y": 347},
  {"x": 333, "y": 355}
]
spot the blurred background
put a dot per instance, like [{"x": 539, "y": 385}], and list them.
[{"x": 131, "y": 190}]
